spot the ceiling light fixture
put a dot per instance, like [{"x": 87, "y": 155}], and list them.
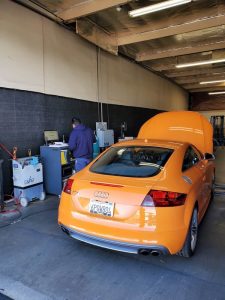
[
  {"x": 201, "y": 63},
  {"x": 212, "y": 81},
  {"x": 216, "y": 93},
  {"x": 156, "y": 7}
]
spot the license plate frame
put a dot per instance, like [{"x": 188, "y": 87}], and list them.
[{"x": 97, "y": 207}]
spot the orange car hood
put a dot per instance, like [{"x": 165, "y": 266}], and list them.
[{"x": 180, "y": 126}]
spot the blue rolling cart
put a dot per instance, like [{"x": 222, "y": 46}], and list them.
[{"x": 57, "y": 167}]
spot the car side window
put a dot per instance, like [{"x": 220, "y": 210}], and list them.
[{"x": 191, "y": 158}]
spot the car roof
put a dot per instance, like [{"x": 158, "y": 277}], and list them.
[{"x": 153, "y": 142}]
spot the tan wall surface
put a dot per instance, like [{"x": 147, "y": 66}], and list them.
[
  {"x": 21, "y": 48},
  {"x": 38, "y": 55}
]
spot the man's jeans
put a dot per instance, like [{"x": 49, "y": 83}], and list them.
[{"x": 80, "y": 163}]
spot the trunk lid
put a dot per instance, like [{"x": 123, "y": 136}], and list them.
[
  {"x": 126, "y": 194},
  {"x": 180, "y": 126}
]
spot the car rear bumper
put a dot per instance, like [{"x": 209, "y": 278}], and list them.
[{"x": 116, "y": 245}]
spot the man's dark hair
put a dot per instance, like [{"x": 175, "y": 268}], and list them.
[{"x": 76, "y": 121}]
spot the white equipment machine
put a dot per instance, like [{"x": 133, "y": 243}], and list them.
[
  {"x": 105, "y": 136},
  {"x": 28, "y": 179}
]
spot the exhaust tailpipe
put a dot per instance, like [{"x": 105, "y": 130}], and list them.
[
  {"x": 144, "y": 252},
  {"x": 155, "y": 253}
]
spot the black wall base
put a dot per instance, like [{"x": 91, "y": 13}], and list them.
[{"x": 25, "y": 115}]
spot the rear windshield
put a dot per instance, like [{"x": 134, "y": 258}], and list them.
[{"x": 132, "y": 161}]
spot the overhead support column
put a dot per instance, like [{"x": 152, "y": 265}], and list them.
[{"x": 96, "y": 35}]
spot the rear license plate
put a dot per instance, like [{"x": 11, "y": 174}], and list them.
[{"x": 101, "y": 208}]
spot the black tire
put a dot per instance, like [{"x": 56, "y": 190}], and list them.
[{"x": 192, "y": 236}]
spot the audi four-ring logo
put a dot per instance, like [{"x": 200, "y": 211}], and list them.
[{"x": 101, "y": 194}]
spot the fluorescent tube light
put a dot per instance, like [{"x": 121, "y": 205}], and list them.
[
  {"x": 201, "y": 63},
  {"x": 216, "y": 93},
  {"x": 156, "y": 7},
  {"x": 212, "y": 81}
]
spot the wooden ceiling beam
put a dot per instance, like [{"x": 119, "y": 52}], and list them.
[
  {"x": 144, "y": 34},
  {"x": 87, "y": 8},
  {"x": 192, "y": 86},
  {"x": 197, "y": 79},
  {"x": 161, "y": 67},
  {"x": 169, "y": 64},
  {"x": 193, "y": 72},
  {"x": 207, "y": 89},
  {"x": 171, "y": 52},
  {"x": 96, "y": 35}
]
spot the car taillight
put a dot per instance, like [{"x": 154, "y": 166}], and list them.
[
  {"x": 163, "y": 199},
  {"x": 68, "y": 186}
]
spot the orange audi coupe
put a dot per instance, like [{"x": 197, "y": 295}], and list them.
[{"x": 146, "y": 195}]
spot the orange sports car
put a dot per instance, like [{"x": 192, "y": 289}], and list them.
[{"x": 146, "y": 195}]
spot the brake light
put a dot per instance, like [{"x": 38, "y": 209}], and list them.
[
  {"x": 106, "y": 184},
  {"x": 68, "y": 186},
  {"x": 163, "y": 199}
]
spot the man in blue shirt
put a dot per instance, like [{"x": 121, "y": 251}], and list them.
[{"x": 81, "y": 144}]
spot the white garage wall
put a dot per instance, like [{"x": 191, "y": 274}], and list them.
[
  {"x": 70, "y": 64},
  {"x": 38, "y": 55},
  {"x": 21, "y": 48},
  {"x": 125, "y": 82}
]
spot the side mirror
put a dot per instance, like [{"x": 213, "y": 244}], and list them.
[{"x": 209, "y": 156}]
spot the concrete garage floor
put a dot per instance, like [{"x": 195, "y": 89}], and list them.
[{"x": 38, "y": 261}]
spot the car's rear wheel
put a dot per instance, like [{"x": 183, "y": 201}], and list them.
[{"x": 192, "y": 236}]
